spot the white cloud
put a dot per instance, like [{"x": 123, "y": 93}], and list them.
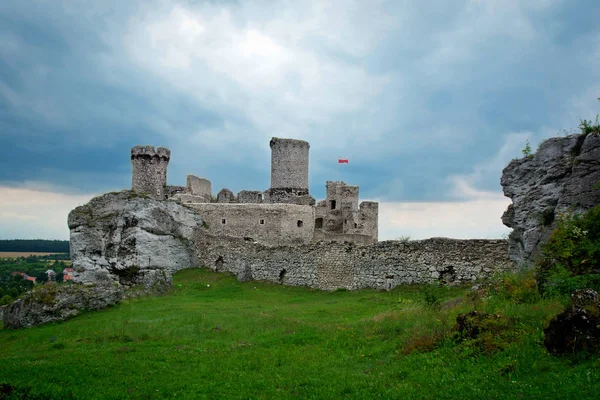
[
  {"x": 268, "y": 73},
  {"x": 463, "y": 186},
  {"x": 36, "y": 214},
  {"x": 470, "y": 219}
]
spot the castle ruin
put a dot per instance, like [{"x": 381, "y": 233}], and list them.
[{"x": 284, "y": 214}]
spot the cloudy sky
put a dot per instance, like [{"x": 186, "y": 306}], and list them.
[{"x": 429, "y": 100}]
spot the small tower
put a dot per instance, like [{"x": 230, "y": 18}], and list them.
[
  {"x": 150, "y": 170},
  {"x": 289, "y": 164},
  {"x": 289, "y": 172}
]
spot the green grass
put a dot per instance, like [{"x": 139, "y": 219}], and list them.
[{"x": 214, "y": 337}]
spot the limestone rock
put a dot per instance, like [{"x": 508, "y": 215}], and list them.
[
  {"x": 559, "y": 177},
  {"x": 578, "y": 327},
  {"x": 51, "y": 303},
  {"x": 131, "y": 239}
]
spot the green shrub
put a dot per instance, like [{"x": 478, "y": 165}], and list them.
[
  {"x": 431, "y": 297},
  {"x": 570, "y": 258},
  {"x": 403, "y": 239},
  {"x": 527, "y": 150},
  {"x": 520, "y": 288},
  {"x": 517, "y": 288},
  {"x": 590, "y": 126},
  {"x": 574, "y": 244},
  {"x": 484, "y": 333},
  {"x": 560, "y": 282}
]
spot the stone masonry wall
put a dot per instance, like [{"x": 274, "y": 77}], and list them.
[
  {"x": 150, "y": 170},
  {"x": 289, "y": 164},
  {"x": 269, "y": 224},
  {"x": 342, "y": 237},
  {"x": 331, "y": 265}
]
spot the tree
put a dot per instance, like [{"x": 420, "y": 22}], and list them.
[{"x": 6, "y": 299}]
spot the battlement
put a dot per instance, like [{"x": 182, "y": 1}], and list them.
[
  {"x": 150, "y": 152},
  {"x": 150, "y": 170},
  {"x": 294, "y": 143},
  {"x": 369, "y": 205}
]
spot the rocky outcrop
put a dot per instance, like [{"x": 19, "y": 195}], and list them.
[
  {"x": 51, "y": 303},
  {"x": 561, "y": 176},
  {"x": 56, "y": 302},
  {"x": 131, "y": 239},
  {"x": 578, "y": 327}
]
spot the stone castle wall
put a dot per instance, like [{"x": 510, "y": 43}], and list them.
[
  {"x": 334, "y": 265},
  {"x": 268, "y": 224}
]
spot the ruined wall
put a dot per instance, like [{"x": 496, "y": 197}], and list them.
[
  {"x": 339, "y": 217},
  {"x": 330, "y": 266},
  {"x": 172, "y": 190},
  {"x": 269, "y": 224},
  {"x": 369, "y": 219},
  {"x": 150, "y": 170},
  {"x": 342, "y": 237},
  {"x": 250, "y": 196},
  {"x": 199, "y": 187},
  {"x": 186, "y": 198},
  {"x": 226, "y": 196}
]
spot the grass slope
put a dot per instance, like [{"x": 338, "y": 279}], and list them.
[{"x": 214, "y": 337}]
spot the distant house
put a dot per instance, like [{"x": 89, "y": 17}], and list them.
[
  {"x": 51, "y": 275},
  {"x": 67, "y": 274}
]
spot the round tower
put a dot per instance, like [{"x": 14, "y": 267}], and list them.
[
  {"x": 150, "y": 170},
  {"x": 289, "y": 164}
]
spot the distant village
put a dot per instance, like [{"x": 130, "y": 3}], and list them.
[
  {"x": 67, "y": 275},
  {"x": 22, "y": 270}
]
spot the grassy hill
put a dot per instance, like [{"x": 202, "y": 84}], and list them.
[{"x": 214, "y": 337}]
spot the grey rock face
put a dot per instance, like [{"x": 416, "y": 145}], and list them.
[
  {"x": 123, "y": 237},
  {"x": 51, "y": 303},
  {"x": 558, "y": 178}
]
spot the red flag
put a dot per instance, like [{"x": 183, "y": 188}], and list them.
[{"x": 343, "y": 161}]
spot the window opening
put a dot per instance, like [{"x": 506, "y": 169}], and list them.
[{"x": 300, "y": 224}]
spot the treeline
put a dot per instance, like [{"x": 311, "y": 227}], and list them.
[{"x": 35, "y": 245}]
